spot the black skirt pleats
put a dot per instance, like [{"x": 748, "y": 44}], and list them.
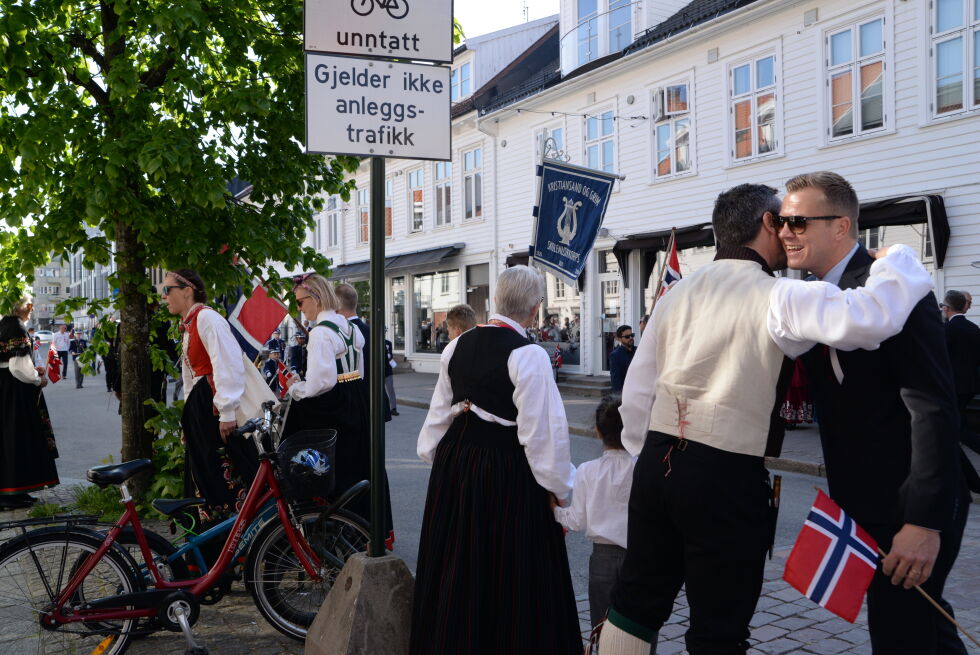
[
  {"x": 222, "y": 472},
  {"x": 29, "y": 450},
  {"x": 492, "y": 575},
  {"x": 344, "y": 409}
]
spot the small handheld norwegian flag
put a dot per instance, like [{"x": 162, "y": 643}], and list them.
[
  {"x": 833, "y": 559},
  {"x": 282, "y": 375},
  {"x": 558, "y": 359}
]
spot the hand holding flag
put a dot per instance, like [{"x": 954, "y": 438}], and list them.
[{"x": 282, "y": 375}]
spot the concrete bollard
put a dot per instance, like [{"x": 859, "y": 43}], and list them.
[{"x": 367, "y": 612}]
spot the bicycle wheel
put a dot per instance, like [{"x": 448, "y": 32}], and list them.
[
  {"x": 362, "y": 7},
  {"x": 34, "y": 568},
  {"x": 397, "y": 8},
  {"x": 279, "y": 585}
]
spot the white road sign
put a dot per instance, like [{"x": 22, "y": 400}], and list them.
[
  {"x": 403, "y": 29},
  {"x": 372, "y": 107}
]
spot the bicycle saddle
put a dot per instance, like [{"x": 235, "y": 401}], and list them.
[
  {"x": 170, "y": 507},
  {"x": 103, "y": 476}
]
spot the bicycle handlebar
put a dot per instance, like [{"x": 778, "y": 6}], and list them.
[{"x": 251, "y": 426}]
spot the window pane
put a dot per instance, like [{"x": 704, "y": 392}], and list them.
[
  {"x": 468, "y": 197},
  {"x": 741, "y": 80},
  {"x": 607, "y": 123},
  {"x": 949, "y": 75},
  {"x": 478, "y": 157},
  {"x": 842, "y": 104},
  {"x": 765, "y": 72},
  {"x": 556, "y": 134},
  {"x": 949, "y": 14},
  {"x": 478, "y": 189},
  {"x": 871, "y": 96},
  {"x": 607, "y": 155},
  {"x": 591, "y": 128},
  {"x": 976, "y": 62},
  {"x": 683, "y": 145},
  {"x": 468, "y": 161},
  {"x": 766, "y": 109},
  {"x": 743, "y": 129},
  {"x": 592, "y": 156},
  {"x": 620, "y": 32},
  {"x": 586, "y": 8},
  {"x": 872, "y": 38},
  {"x": 677, "y": 98},
  {"x": 663, "y": 149},
  {"x": 841, "y": 49}
]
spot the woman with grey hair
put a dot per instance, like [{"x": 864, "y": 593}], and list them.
[
  {"x": 27, "y": 441},
  {"x": 492, "y": 573}
]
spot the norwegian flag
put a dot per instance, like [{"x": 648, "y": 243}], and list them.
[
  {"x": 54, "y": 366},
  {"x": 254, "y": 318},
  {"x": 833, "y": 560},
  {"x": 282, "y": 375},
  {"x": 672, "y": 268},
  {"x": 558, "y": 359}
]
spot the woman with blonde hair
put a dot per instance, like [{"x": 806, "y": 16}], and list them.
[
  {"x": 334, "y": 394},
  {"x": 27, "y": 441}
]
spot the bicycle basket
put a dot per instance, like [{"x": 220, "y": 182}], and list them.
[{"x": 306, "y": 464}]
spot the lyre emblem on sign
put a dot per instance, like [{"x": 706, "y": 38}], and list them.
[{"x": 568, "y": 221}]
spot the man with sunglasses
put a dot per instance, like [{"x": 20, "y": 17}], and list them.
[
  {"x": 888, "y": 424},
  {"x": 620, "y": 357},
  {"x": 700, "y": 409}
]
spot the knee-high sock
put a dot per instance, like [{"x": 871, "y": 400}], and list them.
[{"x": 616, "y": 641}]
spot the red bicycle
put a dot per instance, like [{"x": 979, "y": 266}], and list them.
[{"x": 69, "y": 589}]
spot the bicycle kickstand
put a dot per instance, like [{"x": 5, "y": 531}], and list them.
[{"x": 193, "y": 648}]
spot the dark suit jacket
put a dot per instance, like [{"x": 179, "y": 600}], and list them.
[
  {"x": 890, "y": 429},
  {"x": 366, "y": 331},
  {"x": 963, "y": 343},
  {"x": 619, "y": 362},
  {"x": 297, "y": 359}
]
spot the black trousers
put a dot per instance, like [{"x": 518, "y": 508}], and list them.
[
  {"x": 63, "y": 355},
  {"x": 901, "y": 621},
  {"x": 698, "y": 517}
]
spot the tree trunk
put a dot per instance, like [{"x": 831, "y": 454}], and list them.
[{"x": 134, "y": 350}]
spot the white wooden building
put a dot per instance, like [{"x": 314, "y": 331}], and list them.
[{"x": 687, "y": 100}]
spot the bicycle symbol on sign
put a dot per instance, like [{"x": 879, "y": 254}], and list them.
[{"x": 395, "y": 8}]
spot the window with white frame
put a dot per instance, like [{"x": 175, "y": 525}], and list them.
[
  {"x": 460, "y": 82},
  {"x": 956, "y": 56},
  {"x": 753, "y": 109},
  {"x": 600, "y": 134},
  {"x": 363, "y": 215},
  {"x": 672, "y": 129},
  {"x": 602, "y": 27},
  {"x": 556, "y": 143},
  {"x": 473, "y": 183},
  {"x": 871, "y": 237},
  {"x": 444, "y": 183},
  {"x": 416, "y": 199},
  {"x": 855, "y": 78},
  {"x": 333, "y": 223}
]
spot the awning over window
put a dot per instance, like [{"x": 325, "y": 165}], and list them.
[
  {"x": 909, "y": 210},
  {"x": 397, "y": 263},
  {"x": 651, "y": 243}
]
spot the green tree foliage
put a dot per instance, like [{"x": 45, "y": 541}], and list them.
[{"x": 130, "y": 116}]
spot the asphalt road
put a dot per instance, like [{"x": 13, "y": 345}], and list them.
[{"x": 86, "y": 424}]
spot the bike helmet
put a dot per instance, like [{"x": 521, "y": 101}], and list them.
[{"x": 309, "y": 461}]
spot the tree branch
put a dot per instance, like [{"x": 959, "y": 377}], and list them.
[
  {"x": 83, "y": 43},
  {"x": 156, "y": 76}
]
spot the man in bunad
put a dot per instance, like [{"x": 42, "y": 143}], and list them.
[
  {"x": 888, "y": 426},
  {"x": 700, "y": 409}
]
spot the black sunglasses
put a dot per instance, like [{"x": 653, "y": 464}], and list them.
[
  {"x": 626, "y": 336},
  {"x": 166, "y": 289},
  {"x": 797, "y": 224}
]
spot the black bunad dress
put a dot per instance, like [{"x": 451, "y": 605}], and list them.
[
  {"x": 221, "y": 472},
  {"x": 29, "y": 450},
  {"x": 492, "y": 574},
  {"x": 344, "y": 408}
]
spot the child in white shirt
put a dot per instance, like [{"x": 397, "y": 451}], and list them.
[{"x": 599, "y": 506}]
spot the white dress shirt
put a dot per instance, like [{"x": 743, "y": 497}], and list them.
[
  {"x": 323, "y": 349},
  {"x": 227, "y": 365},
  {"x": 542, "y": 428},
  {"x": 801, "y": 314},
  {"x": 60, "y": 341},
  {"x": 600, "y": 498}
]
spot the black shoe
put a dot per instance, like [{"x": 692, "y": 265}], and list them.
[{"x": 394, "y": 412}]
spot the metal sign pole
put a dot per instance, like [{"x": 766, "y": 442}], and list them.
[{"x": 378, "y": 359}]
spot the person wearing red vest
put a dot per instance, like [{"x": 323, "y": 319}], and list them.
[{"x": 213, "y": 375}]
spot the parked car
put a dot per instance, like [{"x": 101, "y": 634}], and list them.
[{"x": 46, "y": 335}]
